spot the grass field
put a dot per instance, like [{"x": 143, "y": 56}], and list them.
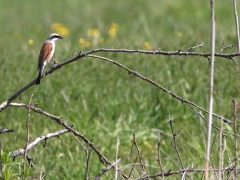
[{"x": 101, "y": 99}]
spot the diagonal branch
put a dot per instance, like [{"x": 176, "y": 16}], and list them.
[
  {"x": 105, "y": 169},
  {"x": 160, "y": 87},
  {"x": 22, "y": 151},
  {"x": 58, "y": 120},
  {"x": 6, "y": 103}
]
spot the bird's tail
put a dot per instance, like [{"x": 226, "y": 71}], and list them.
[{"x": 39, "y": 77}]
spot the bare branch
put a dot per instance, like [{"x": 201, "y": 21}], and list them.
[
  {"x": 37, "y": 141},
  {"x": 174, "y": 143},
  {"x": 170, "y": 173},
  {"x": 237, "y": 26},
  {"x": 27, "y": 139},
  {"x": 139, "y": 155},
  {"x": 160, "y": 87},
  {"x": 116, "y": 167},
  {"x": 225, "y": 47},
  {"x": 58, "y": 120},
  {"x": 6, "y": 103},
  {"x": 201, "y": 44},
  {"x": 105, "y": 169},
  {"x": 211, "y": 83},
  {"x": 235, "y": 104}
]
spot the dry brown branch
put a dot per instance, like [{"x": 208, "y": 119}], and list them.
[
  {"x": 160, "y": 87},
  {"x": 158, "y": 157},
  {"x": 139, "y": 155},
  {"x": 58, "y": 120},
  {"x": 6, "y": 103},
  {"x": 88, "y": 154},
  {"x": 105, "y": 169},
  {"x": 27, "y": 138},
  {"x": 237, "y": 26},
  {"x": 225, "y": 133},
  {"x": 133, "y": 166},
  {"x": 174, "y": 142},
  {"x": 116, "y": 158},
  {"x": 211, "y": 83},
  {"x": 211, "y": 155},
  {"x": 225, "y": 47},
  {"x": 170, "y": 159},
  {"x": 220, "y": 156},
  {"x": 37, "y": 141},
  {"x": 189, "y": 170},
  {"x": 201, "y": 44},
  {"x": 235, "y": 104}
]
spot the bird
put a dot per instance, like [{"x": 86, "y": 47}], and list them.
[{"x": 46, "y": 53}]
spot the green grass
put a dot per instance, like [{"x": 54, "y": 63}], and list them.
[{"x": 101, "y": 99}]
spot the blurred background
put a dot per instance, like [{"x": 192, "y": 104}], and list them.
[{"x": 101, "y": 99}]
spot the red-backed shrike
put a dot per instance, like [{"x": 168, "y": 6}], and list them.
[{"x": 46, "y": 53}]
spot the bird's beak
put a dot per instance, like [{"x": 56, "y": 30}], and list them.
[{"x": 60, "y": 37}]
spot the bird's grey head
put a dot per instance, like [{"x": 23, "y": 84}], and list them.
[{"x": 54, "y": 37}]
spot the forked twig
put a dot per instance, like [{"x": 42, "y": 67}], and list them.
[
  {"x": 201, "y": 44},
  {"x": 139, "y": 155},
  {"x": 58, "y": 120},
  {"x": 37, "y": 141},
  {"x": 105, "y": 169},
  {"x": 27, "y": 139},
  {"x": 174, "y": 142},
  {"x": 183, "y": 100}
]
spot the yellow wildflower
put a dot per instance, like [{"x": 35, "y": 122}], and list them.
[
  {"x": 30, "y": 41},
  {"x": 179, "y": 34},
  {"x": 81, "y": 41},
  {"x": 147, "y": 46},
  {"x": 112, "y": 32},
  {"x": 84, "y": 43},
  {"x": 60, "y": 29},
  {"x": 93, "y": 32}
]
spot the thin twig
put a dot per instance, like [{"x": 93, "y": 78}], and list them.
[
  {"x": 201, "y": 44},
  {"x": 74, "y": 58},
  {"x": 183, "y": 100},
  {"x": 225, "y": 47},
  {"x": 105, "y": 169},
  {"x": 27, "y": 139},
  {"x": 116, "y": 167},
  {"x": 170, "y": 159},
  {"x": 158, "y": 158},
  {"x": 139, "y": 155},
  {"x": 88, "y": 153},
  {"x": 237, "y": 26},
  {"x": 213, "y": 164},
  {"x": 210, "y": 103},
  {"x": 235, "y": 104},
  {"x": 58, "y": 120},
  {"x": 133, "y": 165},
  {"x": 174, "y": 142},
  {"x": 220, "y": 163},
  {"x": 170, "y": 173},
  {"x": 37, "y": 141}
]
